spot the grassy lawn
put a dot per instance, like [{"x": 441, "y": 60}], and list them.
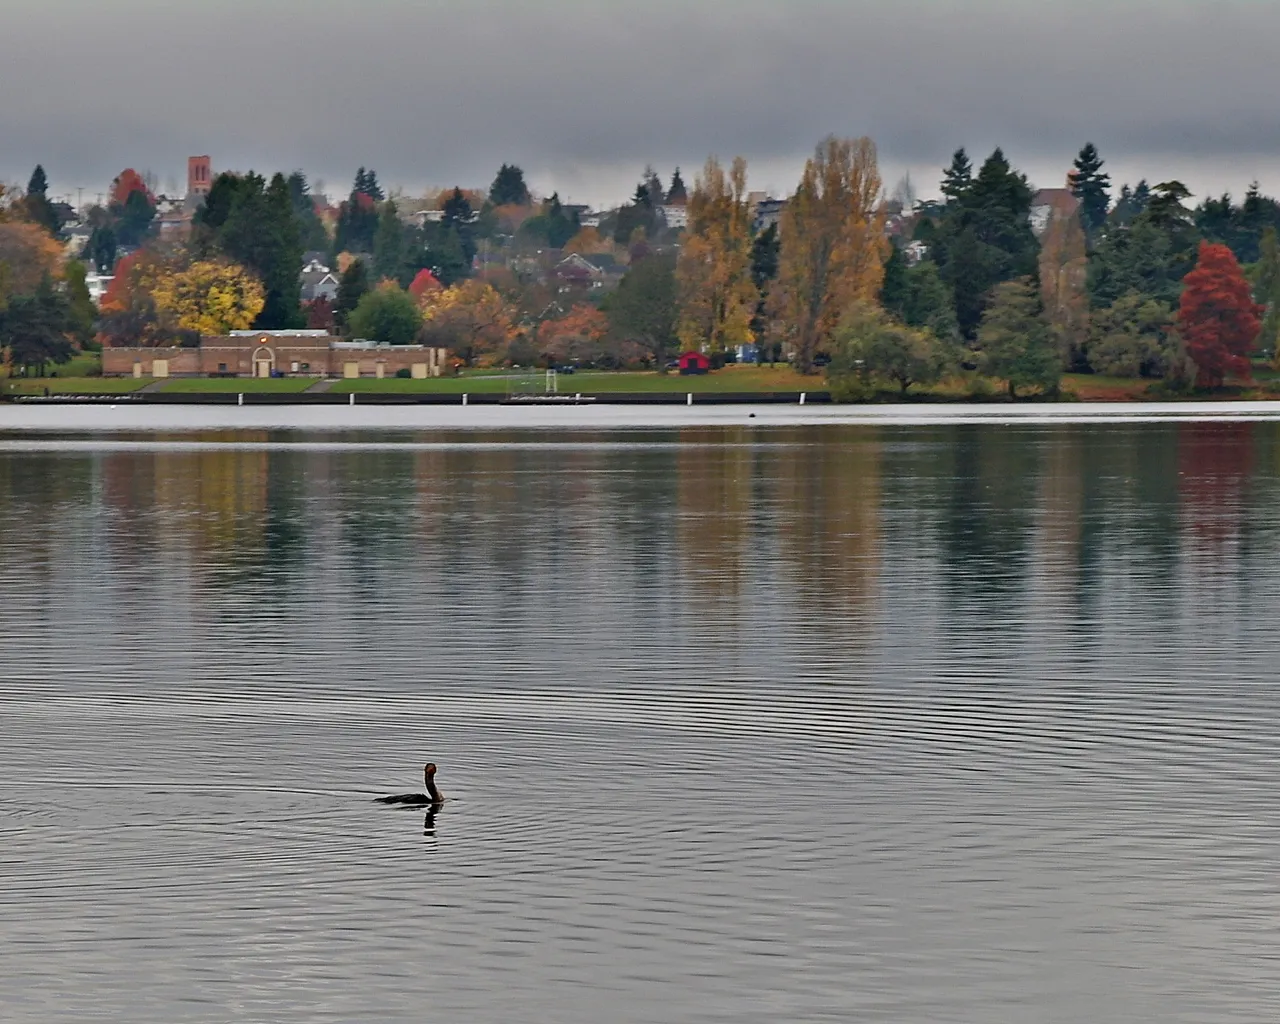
[
  {"x": 236, "y": 385},
  {"x": 473, "y": 385},
  {"x": 731, "y": 378},
  {"x": 72, "y": 385}
]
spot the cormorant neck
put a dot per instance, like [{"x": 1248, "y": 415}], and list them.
[{"x": 432, "y": 791}]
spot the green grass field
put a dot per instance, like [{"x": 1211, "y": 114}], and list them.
[
  {"x": 72, "y": 385},
  {"x": 588, "y": 382},
  {"x": 237, "y": 385}
]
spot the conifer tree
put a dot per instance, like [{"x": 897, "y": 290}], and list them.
[
  {"x": 509, "y": 188},
  {"x": 1014, "y": 339},
  {"x": 1090, "y": 186},
  {"x": 957, "y": 178},
  {"x": 351, "y": 289},
  {"x": 677, "y": 193},
  {"x": 389, "y": 244}
]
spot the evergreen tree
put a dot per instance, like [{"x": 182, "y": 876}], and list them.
[
  {"x": 254, "y": 224},
  {"x": 678, "y": 192},
  {"x": 366, "y": 184},
  {"x": 282, "y": 268},
  {"x": 311, "y": 231},
  {"x": 644, "y": 309},
  {"x": 1014, "y": 339},
  {"x": 100, "y": 249},
  {"x": 984, "y": 236},
  {"x": 34, "y": 328},
  {"x": 352, "y": 287},
  {"x": 1090, "y": 186},
  {"x": 134, "y": 219},
  {"x": 458, "y": 218},
  {"x": 38, "y": 208},
  {"x": 509, "y": 188},
  {"x": 389, "y": 244},
  {"x": 894, "y": 288},
  {"x": 929, "y": 303},
  {"x": 957, "y": 178},
  {"x": 1266, "y": 291},
  {"x": 766, "y": 250}
]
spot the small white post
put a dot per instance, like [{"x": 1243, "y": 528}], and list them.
[
  {"x": 240, "y": 399},
  {"x": 803, "y": 396},
  {"x": 464, "y": 398},
  {"x": 351, "y": 398},
  {"x": 690, "y": 399}
]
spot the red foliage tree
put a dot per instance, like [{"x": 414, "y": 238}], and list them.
[
  {"x": 129, "y": 181},
  {"x": 423, "y": 284},
  {"x": 1218, "y": 318},
  {"x": 319, "y": 314}
]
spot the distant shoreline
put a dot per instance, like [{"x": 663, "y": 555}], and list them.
[{"x": 70, "y": 419}]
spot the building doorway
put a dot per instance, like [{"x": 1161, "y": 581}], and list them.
[{"x": 264, "y": 361}]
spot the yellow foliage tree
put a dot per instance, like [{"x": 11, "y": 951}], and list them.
[
  {"x": 471, "y": 319},
  {"x": 589, "y": 242},
  {"x": 833, "y": 245},
  {"x": 212, "y": 298},
  {"x": 716, "y": 294}
]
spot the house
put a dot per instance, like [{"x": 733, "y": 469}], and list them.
[
  {"x": 1050, "y": 204},
  {"x": 318, "y": 282},
  {"x": 676, "y": 215},
  {"x": 694, "y": 363},
  {"x": 768, "y": 213},
  {"x": 97, "y": 285},
  {"x": 587, "y": 271}
]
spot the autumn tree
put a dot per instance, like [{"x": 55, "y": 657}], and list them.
[
  {"x": 1014, "y": 339},
  {"x": 1218, "y": 319},
  {"x": 832, "y": 244},
  {"x": 30, "y": 253},
  {"x": 1064, "y": 273},
  {"x": 577, "y": 337},
  {"x": 387, "y": 314},
  {"x": 716, "y": 293},
  {"x": 209, "y": 297},
  {"x": 424, "y": 284},
  {"x": 470, "y": 319}
]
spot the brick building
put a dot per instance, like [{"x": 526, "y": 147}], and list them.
[{"x": 264, "y": 353}]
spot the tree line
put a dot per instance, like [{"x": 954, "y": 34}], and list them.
[{"x": 1136, "y": 283}]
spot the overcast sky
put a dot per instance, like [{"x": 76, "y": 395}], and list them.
[{"x": 584, "y": 93}]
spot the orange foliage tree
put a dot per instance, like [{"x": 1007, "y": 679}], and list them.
[
  {"x": 128, "y": 181},
  {"x": 471, "y": 319},
  {"x": 1218, "y": 319},
  {"x": 577, "y": 337},
  {"x": 27, "y": 253}
]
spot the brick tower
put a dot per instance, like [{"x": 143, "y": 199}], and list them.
[{"x": 199, "y": 175}]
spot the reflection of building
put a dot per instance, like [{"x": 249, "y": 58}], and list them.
[{"x": 271, "y": 353}]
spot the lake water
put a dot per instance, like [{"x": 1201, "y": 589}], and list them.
[{"x": 957, "y": 723}]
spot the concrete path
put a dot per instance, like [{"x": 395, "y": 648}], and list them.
[
  {"x": 155, "y": 385},
  {"x": 320, "y": 386}
]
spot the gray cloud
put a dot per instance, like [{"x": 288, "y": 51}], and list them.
[{"x": 583, "y": 94}]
